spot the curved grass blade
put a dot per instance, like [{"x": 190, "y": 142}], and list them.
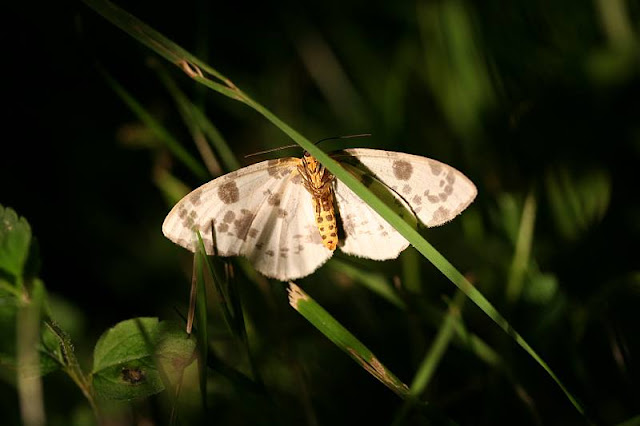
[
  {"x": 199, "y": 124},
  {"x": 341, "y": 337}
]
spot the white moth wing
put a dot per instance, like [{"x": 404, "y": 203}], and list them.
[
  {"x": 435, "y": 192},
  {"x": 261, "y": 212},
  {"x": 366, "y": 233},
  {"x": 287, "y": 245}
]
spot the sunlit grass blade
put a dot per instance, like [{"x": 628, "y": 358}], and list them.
[
  {"x": 177, "y": 55},
  {"x": 522, "y": 253},
  {"x": 158, "y": 129},
  {"x": 342, "y": 338}
]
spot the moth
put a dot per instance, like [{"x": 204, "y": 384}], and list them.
[{"x": 288, "y": 215}]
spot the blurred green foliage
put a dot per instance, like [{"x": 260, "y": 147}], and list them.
[{"x": 529, "y": 99}]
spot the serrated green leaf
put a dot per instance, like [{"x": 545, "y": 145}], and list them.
[{"x": 15, "y": 237}]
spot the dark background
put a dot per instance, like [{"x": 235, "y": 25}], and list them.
[{"x": 523, "y": 97}]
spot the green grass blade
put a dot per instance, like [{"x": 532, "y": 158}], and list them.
[
  {"x": 153, "y": 39},
  {"x": 411, "y": 279},
  {"x": 158, "y": 129},
  {"x": 184, "y": 109},
  {"x": 201, "y": 315},
  {"x": 439, "y": 346},
  {"x": 523, "y": 249},
  {"x": 198, "y": 122},
  {"x": 223, "y": 297},
  {"x": 373, "y": 281},
  {"x": 178, "y": 56},
  {"x": 433, "y": 356},
  {"x": 172, "y": 188},
  {"x": 341, "y": 337}
]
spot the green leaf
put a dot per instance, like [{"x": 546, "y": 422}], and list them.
[
  {"x": 15, "y": 238},
  {"x": 124, "y": 359}
]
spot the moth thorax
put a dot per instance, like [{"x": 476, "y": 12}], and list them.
[{"x": 326, "y": 221}]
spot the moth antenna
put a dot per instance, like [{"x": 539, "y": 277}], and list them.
[
  {"x": 266, "y": 151},
  {"x": 359, "y": 135}
]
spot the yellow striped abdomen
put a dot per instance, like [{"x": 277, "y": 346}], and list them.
[
  {"x": 326, "y": 220},
  {"x": 317, "y": 180}
]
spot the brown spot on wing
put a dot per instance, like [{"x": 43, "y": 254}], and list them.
[
  {"x": 243, "y": 224},
  {"x": 229, "y": 216},
  {"x": 274, "y": 199},
  {"x": 432, "y": 198},
  {"x": 402, "y": 169},
  {"x": 451, "y": 177},
  {"x": 229, "y": 193},
  {"x": 436, "y": 168},
  {"x": 440, "y": 215},
  {"x": 274, "y": 169},
  {"x": 296, "y": 179},
  {"x": 195, "y": 197}
]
